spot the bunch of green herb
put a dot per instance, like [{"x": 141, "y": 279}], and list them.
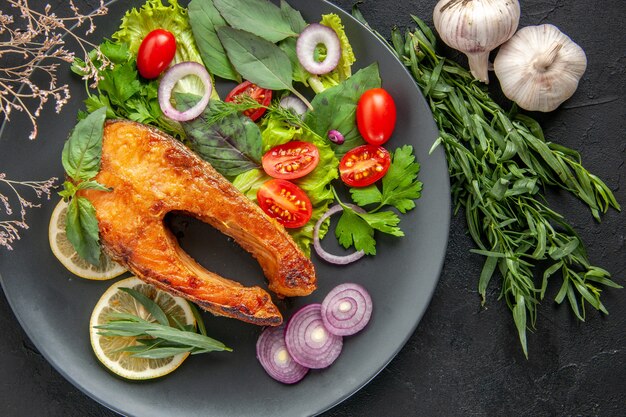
[
  {"x": 159, "y": 339},
  {"x": 81, "y": 159},
  {"x": 499, "y": 164}
]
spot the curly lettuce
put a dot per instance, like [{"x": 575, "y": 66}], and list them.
[
  {"x": 137, "y": 23},
  {"x": 316, "y": 184}
]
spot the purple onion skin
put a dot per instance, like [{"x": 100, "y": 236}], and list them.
[
  {"x": 268, "y": 348},
  {"x": 303, "y": 330},
  {"x": 353, "y": 320},
  {"x": 336, "y": 137}
]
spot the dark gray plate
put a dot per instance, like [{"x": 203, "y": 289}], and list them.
[{"x": 54, "y": 307}]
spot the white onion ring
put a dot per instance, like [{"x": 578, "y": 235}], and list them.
[
  {"x": 329, "y": 257},
  {"x": 293, "y": 103},
  {"x": 169, "y": 80},
  {"x": 313, "y": 35}
]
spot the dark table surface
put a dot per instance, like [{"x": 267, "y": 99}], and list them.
[{"x": 464, "y": 359}]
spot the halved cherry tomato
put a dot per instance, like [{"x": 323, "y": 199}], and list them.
[
  {"x": 155, "y": 53},
  {"x": 261, "y": 95},
  {"x": 291, "y": 160},
  {"x": 285, "y": 202},
  {"x": 376, "y": 116},
  {"x": 364, "y": 165}
]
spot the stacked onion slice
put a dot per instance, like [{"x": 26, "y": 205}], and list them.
[{"x": 313, "y": 337}]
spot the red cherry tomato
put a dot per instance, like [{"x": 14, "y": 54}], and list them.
[
  {"x": 364, "y": 165},
  {"x": 376, "y": 116},
  {"x": 261, "y": 95},
  {"x": 155, "y": 53},
  {"x": 291, "y": 160},
  {"x": 285, "y": 202}
]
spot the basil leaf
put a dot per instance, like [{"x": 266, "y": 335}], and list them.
[
  {"x": 232, "y": 145},
  {"x": 335, "y": 107},
  {"x": 257, "y": 16},
  {"x": 257, "y": 60},
  {"x": 82, "y": 229},
  {"x": 293, "y": 16},
  {"x": 299, "y": 74},
  {"x": 204, "y": 19},
  {"x": 82, "y": 151},
  {"x": 92, "y": 185}
]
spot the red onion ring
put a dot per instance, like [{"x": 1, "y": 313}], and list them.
[
  {"x": 346, "y": 309},
  {"x": 272, "y": 353},
  {"x": 311, "y": 36},
  {"x": 308, "y": 341},
  {"x": 169, "y": 80},
  {"x": 329, "y": 257}
]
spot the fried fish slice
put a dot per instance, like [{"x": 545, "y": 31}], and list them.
[{"x": 152, "y": 174}]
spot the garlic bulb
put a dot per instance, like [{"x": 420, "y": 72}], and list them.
[
  {"x": 476, "y": 27},
  {"x": 539, "y": 68}
]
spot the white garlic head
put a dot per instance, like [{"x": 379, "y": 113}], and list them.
[
  {"x": 476, "y": 27},
  {"x": 540, "y": 67}
]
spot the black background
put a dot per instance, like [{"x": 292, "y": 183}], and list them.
[{"x": 464, "y": 359}]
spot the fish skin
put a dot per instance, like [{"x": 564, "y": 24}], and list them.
[{"x": 152, "y": 174}]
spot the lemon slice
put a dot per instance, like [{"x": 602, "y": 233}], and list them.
[
  {"x": 65, "y": 253},
  {"x": 106, "y": 347}
]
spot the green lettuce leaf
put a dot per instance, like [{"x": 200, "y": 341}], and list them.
[{"x": 137, "y": 23}]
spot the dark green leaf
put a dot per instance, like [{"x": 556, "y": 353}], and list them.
[
  {"x": 256, "y": 16},
  {"x": 83, "y": 150},
  {"x": 335, "y": 107},
  {"x": 82, "y": 229},
  {"x": 232, "y": 145},
  {"x": 257, "y": 60},
  {"x": 205, "y": 19},
  {"x": 485, "y": 276},
  {"x": 198, "y": 317},
  {"x": 293, "y": 16},
  {"x": 92, "y": 185}
]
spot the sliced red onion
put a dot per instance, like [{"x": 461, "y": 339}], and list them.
[
  {"x": 346, "y": 309},
  {"x": 169, "y": 80},
  {"x": 335, "y": 136},
  {"x": 308, "y": 341},
  {"x": 295, "y": 104},
  {"x": 272, "y": 353},
  {"x": 329, "y": 257},
  {"x": 311, "y": 36}
]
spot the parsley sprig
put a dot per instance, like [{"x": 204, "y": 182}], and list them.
[{"x": 399, "y": 189}]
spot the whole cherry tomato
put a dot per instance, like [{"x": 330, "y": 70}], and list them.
[
  {"x": 291, "y": 160},
  {"x": 376, "y": 116},
  {"x": 364, "y": 165},
  {"x": 285, "y": 202},
  {"x": 155, "y": 53},
  {"x": 261, "y": 95}
]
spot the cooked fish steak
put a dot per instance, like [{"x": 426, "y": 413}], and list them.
[{"x": 152, "y": 174}]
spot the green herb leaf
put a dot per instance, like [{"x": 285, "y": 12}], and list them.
[
  {"x": 82, "y": 229},
  {"x": 293, "y": 16},
  {"x": 152, "y": 307},
  {"x": 353, "y": 230},
  {"x": 232, "y": 145},
  {"x": 205, "y": 19},
  {"x": 257, "y": 60},
  {"x": 92, "y": 185},
  {"x": 82, "y": 151},
  {"x": 400, "y": 186},
  {"x": 257, "y": 16},
  {"x": 335, "y": 108}
]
